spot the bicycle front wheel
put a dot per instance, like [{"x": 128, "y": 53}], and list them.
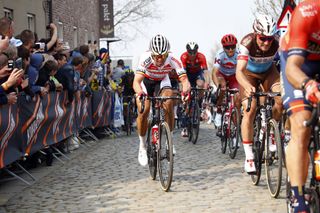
[
  {"x": 195, "y": 123},
  {"x": 165, "y": 156},
  {"x": 273, "y": 158},
  {"x": 152, "y": 156},
  {"x": 234, "y": 136},
  {"x": 257, "y": 152},
  {"x": 223, "y": 136}
]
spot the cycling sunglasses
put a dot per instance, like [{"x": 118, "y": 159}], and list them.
[
  {"x": 156, "y": 57},
  {"x": 230, "y": 47},
  {"x": 266, "y": 38},
  {"x": 192, "y": 52}
]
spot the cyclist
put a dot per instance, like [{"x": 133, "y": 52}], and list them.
[
  {"x": 224, "y": 70},
  {"x": 195, "y": 64},
  {"x": 300, "y": 62},
  {"x": 152, "y": 78},
  {"x": 127, "y": 85},
  {"x": 254, "y": 66}
]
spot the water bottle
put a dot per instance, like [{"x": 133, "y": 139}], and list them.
[
  {"x": 155, "y": 134},
  {"x": 317, "y": 164},
  {"x": 261, "y": 133},
  {"x": 263, "y": 117}
]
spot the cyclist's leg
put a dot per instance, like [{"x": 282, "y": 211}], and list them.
[
  {"x": 297, "y": 157},
  {"x": 233, "y": 84},
  {"x": 247, "y": 125},
  {"x": 200, "y": 84},
  {"x": 166, "y": 90},
  {"x": 142, "y": 126},
  {"x": 272, "y": 82}
]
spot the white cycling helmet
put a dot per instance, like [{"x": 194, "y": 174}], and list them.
[
  {"x": 265, "y": 25},
  {"x": 159, "y": 45}
]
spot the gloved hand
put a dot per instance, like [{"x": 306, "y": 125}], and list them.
[
  {"x": 185, "y": 96},
  {"x": 141, "y": 95},
  {"x": 312, "y": 92}
]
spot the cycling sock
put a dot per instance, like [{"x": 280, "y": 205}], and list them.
[
  {"x": 175, "y": 111},
  {"x": 247, "y": 145},
  {"x": 142, "y": 142},
  {"x": 299, "y": 204}
]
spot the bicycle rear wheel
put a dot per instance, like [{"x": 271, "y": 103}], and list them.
[
  {"x": 234, "y": 136},
  {"x": 152, "y": 156},
  {"x": 195, "y": 123},
  {"x": 223, "y": 133},
  {"x": 273, "y": 158},
  {"x": 128, "y": 119},
  {"x": 165, "y": 157}
]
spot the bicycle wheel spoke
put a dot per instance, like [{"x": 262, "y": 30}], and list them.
[
  {"x": 165, "y": 157},
  {"x": 273, "y": 158}
]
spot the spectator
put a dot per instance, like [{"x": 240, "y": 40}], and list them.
[
  {"x": 118, "y": 71},
  {"x": 27, "y": 37},
  {"x": 36, "y": 61},
  {"x": 6, "y": 29},
  {"x": 46, "y": 76}
]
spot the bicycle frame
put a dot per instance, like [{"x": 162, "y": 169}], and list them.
[{"x": 228, "y": 104}]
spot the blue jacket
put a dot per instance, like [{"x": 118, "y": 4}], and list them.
[{"x": 33, "y": 71}]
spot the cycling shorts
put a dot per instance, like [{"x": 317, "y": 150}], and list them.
[
  {"x": 294, "y": 99},
  {"x": 193, "y": 77},
  {"x": 152, "y": 87},
  {"x": 268, "y": 80},
  {"x": 231, "y": 80}
]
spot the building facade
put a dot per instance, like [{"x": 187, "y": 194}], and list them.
[{"x": 77, "y": 21}]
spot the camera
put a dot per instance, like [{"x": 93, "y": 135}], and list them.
[
  {"x": 39, "y": 45},
  {"x": 11, "y": 64}
]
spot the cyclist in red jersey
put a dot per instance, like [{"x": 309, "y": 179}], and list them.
[
  {"x": 195, "y": 64},
  {"x": 300, "y": 62}
]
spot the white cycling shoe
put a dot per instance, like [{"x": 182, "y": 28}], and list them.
[
  {"x": 142, "y": 157},
  {"x": 250, "y": 167}
]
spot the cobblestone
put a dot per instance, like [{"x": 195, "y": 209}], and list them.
[{"x": 108, "y": 178}]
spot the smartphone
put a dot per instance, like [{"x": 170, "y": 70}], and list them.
[{"x": 18, "y": 63}]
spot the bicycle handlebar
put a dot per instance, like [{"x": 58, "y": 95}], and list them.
[
  {"x": 314, "y": 116},
  {"x": 259, "y": 94}
]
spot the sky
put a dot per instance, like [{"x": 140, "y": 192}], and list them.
[{"x": 202, "y": 21}]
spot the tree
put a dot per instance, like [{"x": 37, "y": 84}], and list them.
[
  {"x": 270, "y": 7},
  {"x": 129, "y": 16}
]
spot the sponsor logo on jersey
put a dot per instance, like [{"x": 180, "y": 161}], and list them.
[
  {"x": 308, "y": 10},
  {"x": 217, "y": 61},
  {"x": 259, "y": 60},
  {"x": 316, "y": 35},
  {"x": 147, "y": 61},
  {"x": 313, "y": 47}
]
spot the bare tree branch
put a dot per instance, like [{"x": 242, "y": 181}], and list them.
[{"x": 271, "y": 7}]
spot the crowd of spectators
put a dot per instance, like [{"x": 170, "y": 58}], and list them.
[{"x": 38, "y": 66}]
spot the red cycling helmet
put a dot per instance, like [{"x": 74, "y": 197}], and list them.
[{"x": 228, "y": 40}]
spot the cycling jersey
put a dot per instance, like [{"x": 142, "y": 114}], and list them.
[
  {"x": 258, "y": 60},
  {"x": 147, "y": 67},
  {"x": 196, "y": 65},
  {"x": 303, "y": 39},
  {"x": 225, "y": 64}
]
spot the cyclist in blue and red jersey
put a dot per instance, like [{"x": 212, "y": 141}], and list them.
[
  {"x": 195, "y": 64},
  {"x": 254, "y": 67},
  {"x": 224, "y": 71},
  {"x": 300, "y": 63}
]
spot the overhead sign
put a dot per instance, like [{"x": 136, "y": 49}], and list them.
[
  {"x": 106, "y": 28},
  {"x": 285, "y": 16}
]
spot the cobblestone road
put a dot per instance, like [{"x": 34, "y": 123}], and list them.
[{"x": 108, "y": 178}]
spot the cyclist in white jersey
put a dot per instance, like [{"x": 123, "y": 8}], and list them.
[
  {"x": 152, "y": 79},
  {"x": 224, "y": 71}
]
